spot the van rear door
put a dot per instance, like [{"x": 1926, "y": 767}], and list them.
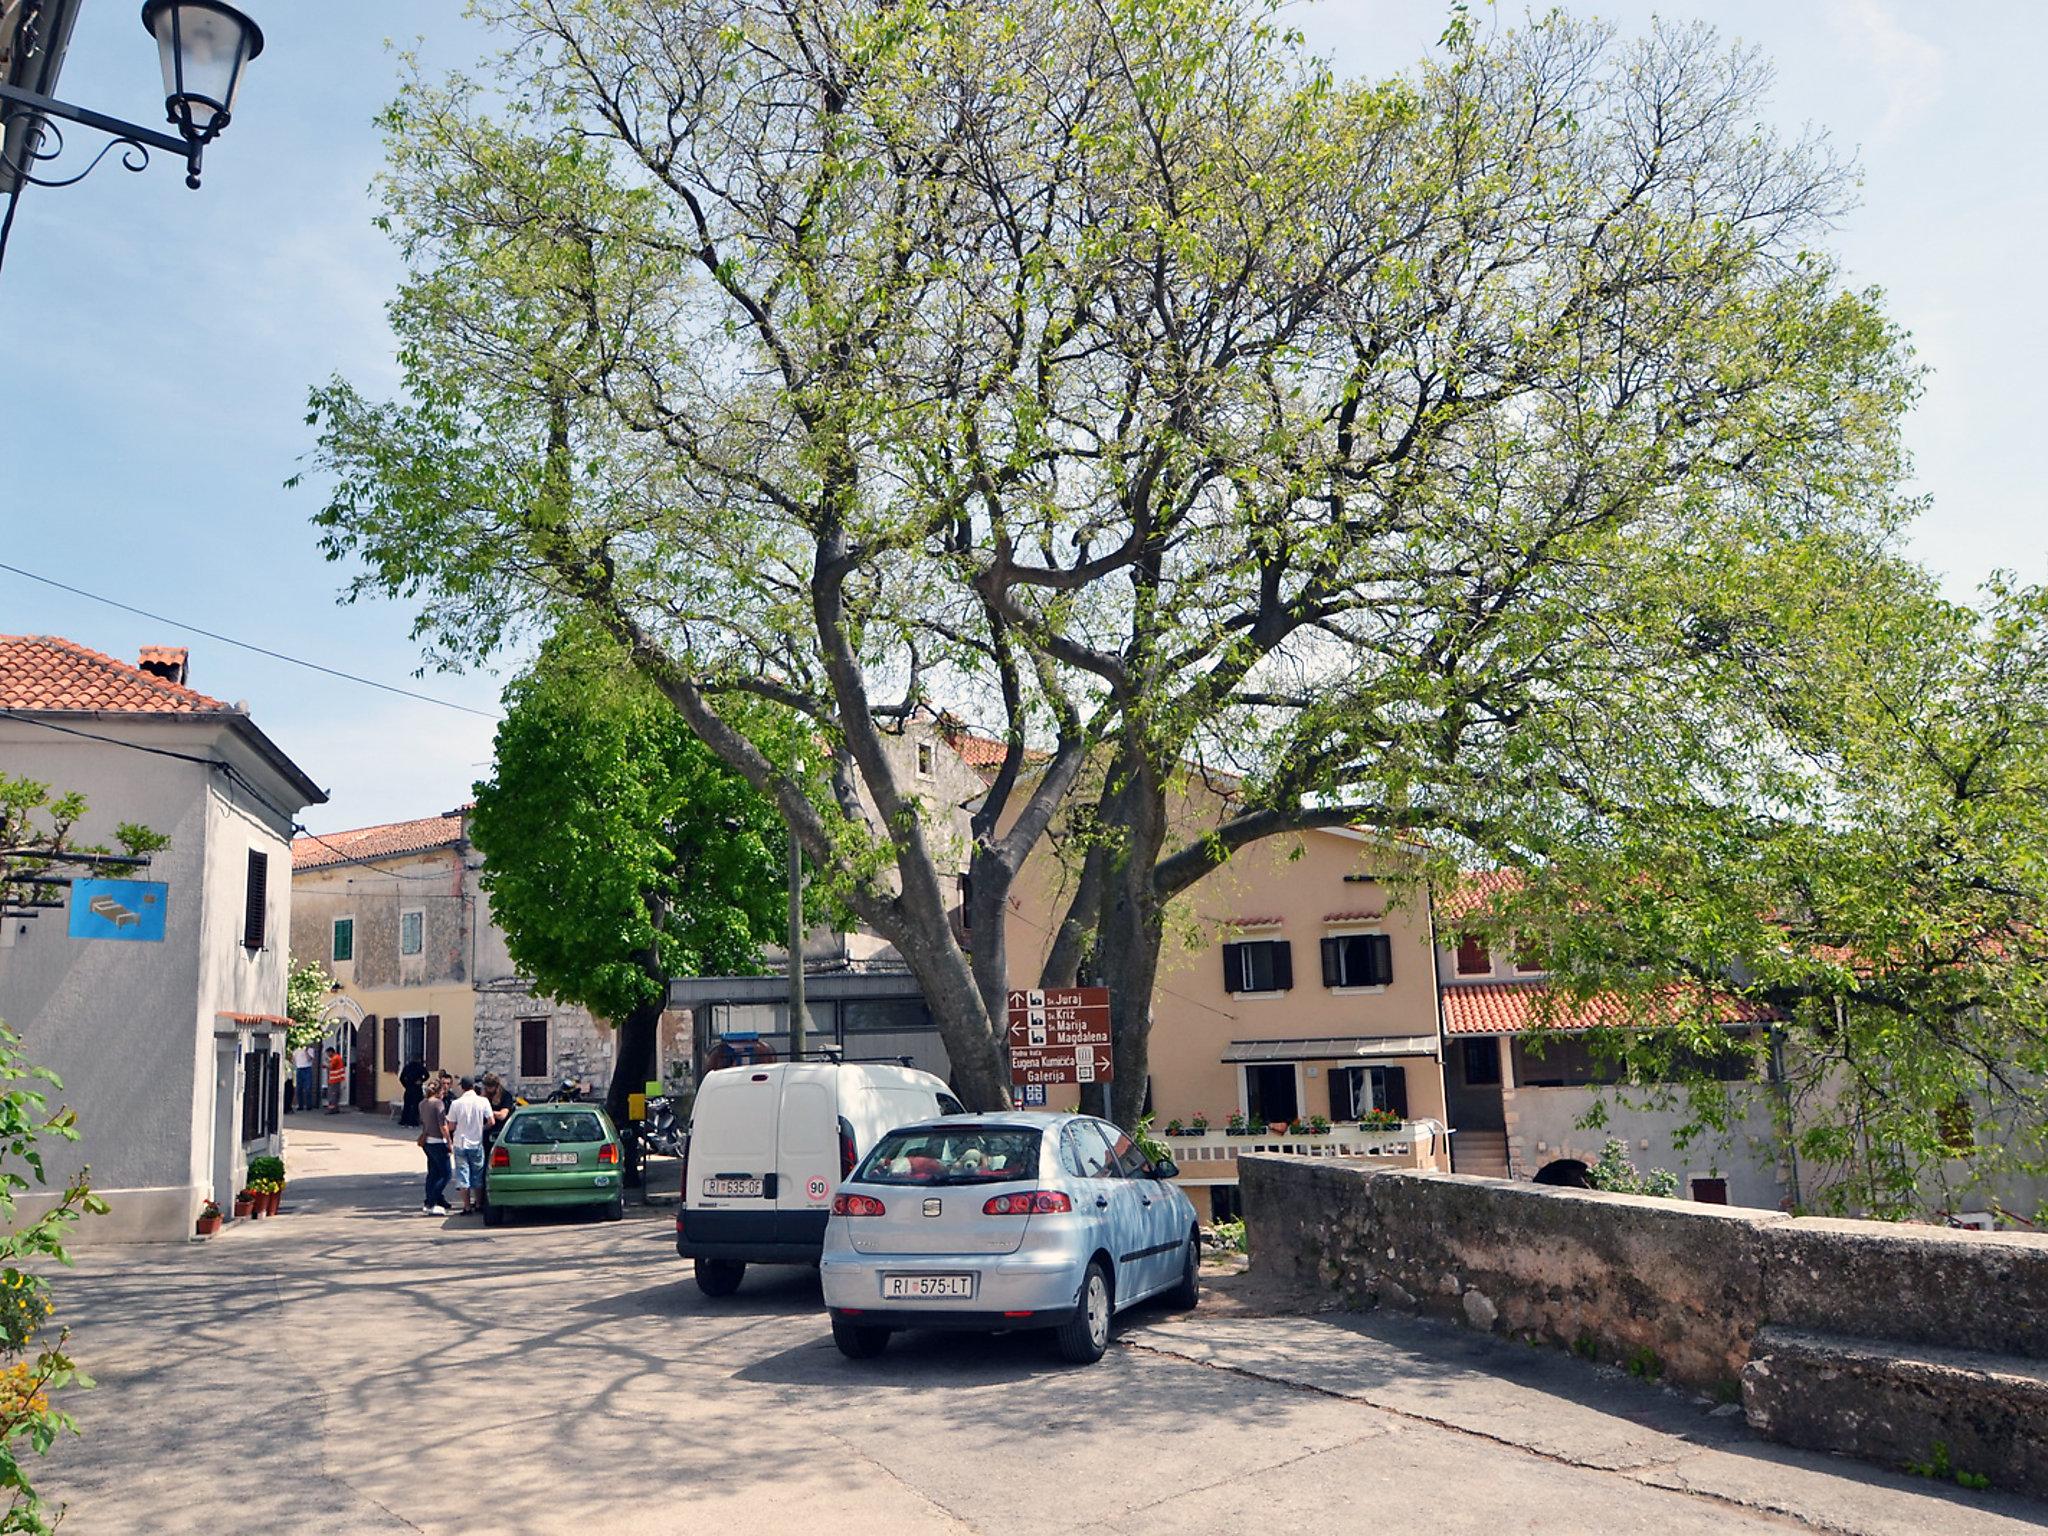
[
  {"x": 732, "y": 1142},
  {"x": 807, "y": 1144}
]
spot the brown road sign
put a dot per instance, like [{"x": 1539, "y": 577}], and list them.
[{"x": 1060, "y": 1035}]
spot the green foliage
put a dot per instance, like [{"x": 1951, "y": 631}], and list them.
[
  {"x": 269, "y": 1169},
  {"x": 1643, "y": 1362},
  {"x": 1939, "y": 1467},
  {"x": 37, "y": 830},
  {"x": 36, "y": 1366},
  {"x": 305, "y": 999},
  {"x": 618, "y": 851},
  {"x": 1154, "y": 1150},
  {"x": 1230, "y": 1237},
  {"x": 1616, "y": 1172},
  {"x": 1586, "y": 1347}
]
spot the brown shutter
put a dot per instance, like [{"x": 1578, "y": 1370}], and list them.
[
  {"x": 1333, "y": 974},
  {"x": 1233, "y": 971},
  {"x": 1397, "y": 1090},
  {"x": 433, "y": 1042},
  {"x": 391, "y": 1061},
  {"x": 1283, "y": 964},
  {"x": 255, "y": 899},
  {"x": 1382, "y": 946}
]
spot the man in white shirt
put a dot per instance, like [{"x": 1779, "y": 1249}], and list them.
[
  {"x": 305, "y": 1092},
  {"x": 467, "y": 1117}
]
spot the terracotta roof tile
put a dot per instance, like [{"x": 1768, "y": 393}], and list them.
[
  {"x": 388, "y": 840},
  {"x": 43, "y": 672},
  {"x": 1514, "y": 1007},
  {"x": 1474, "y": 892}
]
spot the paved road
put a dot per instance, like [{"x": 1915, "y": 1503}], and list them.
[{"x": 355, "y": 1367}]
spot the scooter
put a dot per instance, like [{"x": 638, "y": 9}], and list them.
[{"x": 659, "y": 1132}]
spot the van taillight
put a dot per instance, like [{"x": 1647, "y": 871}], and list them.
[
  {"x": 1033, "y": 1202},
  {"x": 858, "y": 1205},
  {"x": 847, "y": 1155},
  {"x": 500, "y": 1158}
]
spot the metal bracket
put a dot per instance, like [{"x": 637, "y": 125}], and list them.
[{"x": 37, "y": 110}]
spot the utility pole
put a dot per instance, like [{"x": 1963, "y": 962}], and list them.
[{"x": 796, "y": 942}]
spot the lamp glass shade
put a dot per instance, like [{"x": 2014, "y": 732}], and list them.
[{"x": 202, "y": 45}]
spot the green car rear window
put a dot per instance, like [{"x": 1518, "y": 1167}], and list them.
[{"x": 538, "y": 1127}]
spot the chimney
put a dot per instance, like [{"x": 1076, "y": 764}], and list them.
[{"x": 165, "y": 661}]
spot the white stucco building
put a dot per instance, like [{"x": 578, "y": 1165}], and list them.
[{"x": 169, "y": 1048}]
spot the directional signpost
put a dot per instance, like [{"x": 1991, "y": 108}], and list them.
[{"x": 1059, "y": 1036}]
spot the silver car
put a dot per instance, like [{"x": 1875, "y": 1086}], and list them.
[{"x": 1002, "y": 1221}]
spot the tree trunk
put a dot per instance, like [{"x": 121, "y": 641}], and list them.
[
  {"x": 631, "y": 1068},
  {"x": 1129, "y": 930}
]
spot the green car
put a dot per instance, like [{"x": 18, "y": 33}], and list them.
[{"x": 554, "y": 1154}]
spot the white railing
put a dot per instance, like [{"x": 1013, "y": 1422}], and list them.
[{"x": 1408, "y": 1144}]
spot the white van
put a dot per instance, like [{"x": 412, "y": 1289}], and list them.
[{"x": 767, "y": 1148}]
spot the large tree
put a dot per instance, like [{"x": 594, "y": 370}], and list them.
[
  {"x": 1456, "y": 453},
  {"x": 619, "y": 852}
]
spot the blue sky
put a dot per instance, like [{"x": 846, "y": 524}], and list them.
[{"x": 172, "y": 335}]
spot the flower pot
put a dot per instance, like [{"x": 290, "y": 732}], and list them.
[
  {"x": 243, "y": 1208},
  {"x": 276, "y": 1201},
  {"x": 208, "y": 1225},
  {"x": 270, "y": 1197}
]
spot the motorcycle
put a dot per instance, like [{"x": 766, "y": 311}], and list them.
[{"x": 660, "y": 1132}]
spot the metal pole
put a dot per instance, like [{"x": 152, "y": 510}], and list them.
[{"x": 796, "y": 948}]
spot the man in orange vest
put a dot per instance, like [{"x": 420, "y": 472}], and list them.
[{"x": 337, "y": 1073}]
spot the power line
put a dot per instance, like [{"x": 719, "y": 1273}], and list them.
[{"x": 297, "y": 661}]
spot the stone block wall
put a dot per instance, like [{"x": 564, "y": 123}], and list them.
[
  {"x": 579, "y": 1046},
  {"x": 1947, "y": 1331}
]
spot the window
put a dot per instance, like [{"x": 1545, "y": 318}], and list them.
[
  {"x": 1358, "y": 960},
  {"x": 1264, "y": 966},
  {"x": 1482, "y": 1062},
  {"x": 1130, "y": 1162},
  {"x": 344, "y": 947},
  {"x": 539, "y": 1127},
  {"x": 1473, "y": 957},
  {"x": 412, "y": 1044},
  {"x": 1356, "y": 1091},
  {"x": 1957, "y": 1125},
  {"x": 927, "y": 760},
  {"x": 533, "y": 1047},
  {"x": 967, "y": 1154},
  {"x": 262, "y": 1094},
  {"x": 966, "y": 901},
  {"x": 1085, "y": 1154},
  {"x": 1528, "y": 958},
  {"x": 1269, "y": 1094},
  {"x": 412, "y": 931},
  {"x": 255, "y": 908},
  {"x": 1710, "y": 1191}
]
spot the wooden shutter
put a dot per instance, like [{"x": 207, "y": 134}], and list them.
[
  {"x": 1380, "y": 947},
  {"x": 1333, "y": 962},
  {"x": 433, "y": 1042},
  {"x": 391, "y": 1061},
  {"x": 1283, "y": 964},
  {"x": 1233, "y": 968},
  {"x": 255, "y": 899},
  {"x": 1394, "y": 1089}
]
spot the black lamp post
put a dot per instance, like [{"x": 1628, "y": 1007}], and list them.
[{"x": 205, "y": 46}]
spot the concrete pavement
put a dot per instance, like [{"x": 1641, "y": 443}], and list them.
[{"x": 353, "y": 1366}]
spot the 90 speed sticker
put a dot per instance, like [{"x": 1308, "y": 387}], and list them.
[{"x": 817, "y": 1188}]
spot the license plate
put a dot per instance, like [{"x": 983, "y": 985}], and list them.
[
  {"x": 927, "y": 1287},
  {"x": 552, "y": 1159},
  {"x": 742, "y": 1189}
]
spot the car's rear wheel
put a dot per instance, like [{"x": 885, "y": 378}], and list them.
[
  {"x": 616, "y": 1209},
  {"x": 494, "y": 1215},
  {"x": 856, "y": 1342},
  {"x": 1187, "y": 1295},
  {"x": 719, "y": 1277},
  {"x": 1084, "y": 1337}
]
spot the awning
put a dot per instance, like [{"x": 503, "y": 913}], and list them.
[{"x": 1333, "y": 1048}]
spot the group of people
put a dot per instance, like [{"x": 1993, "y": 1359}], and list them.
[
  {"x": 458, "y": 1122},
  {"x": 310, "y": 1064}
]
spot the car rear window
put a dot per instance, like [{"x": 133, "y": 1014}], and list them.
[
  {"x": 964, "y": 1154},
  {"x": 544, "y": 1125}
]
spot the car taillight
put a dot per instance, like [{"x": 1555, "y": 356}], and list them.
[
  {"x": 608, "y": 1153},
  {"x": 847, "y": 1156},
  {"x": 1032, "y": 1202},
  {"x": 858, "y": 1205},
  {"x": 500, "y": 1158}
]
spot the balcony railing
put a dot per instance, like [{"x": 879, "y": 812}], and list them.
[{"x": 1214, "y": 1153}]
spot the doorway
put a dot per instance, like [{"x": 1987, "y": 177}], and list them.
[{"x": 226, "y": 1117}]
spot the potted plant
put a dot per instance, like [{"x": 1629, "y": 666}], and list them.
[
  {"x": 1199, "y": 1125},
  {"x": 245, "y": 1204},
  {"x": 209, "y": 1219},
  {"x": 1237, "y": 1127},
  {"x": 1379, "y": 1120},
  {"x": 1319, "y": 1125},
  {"x": 1175, "y": 1128},
  {"x": 1297, "y": 1127},
  {"x": 270, "y": 1169}
]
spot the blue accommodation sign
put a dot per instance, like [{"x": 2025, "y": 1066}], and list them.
[{"x": 119, "y": 909}]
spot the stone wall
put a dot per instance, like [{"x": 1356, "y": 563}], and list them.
[
  {"x": 579, "y": 1046},
  {"x": 1865, "y": 1337}
]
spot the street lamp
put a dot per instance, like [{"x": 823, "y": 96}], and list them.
[{"x": 205, "y": 45}]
